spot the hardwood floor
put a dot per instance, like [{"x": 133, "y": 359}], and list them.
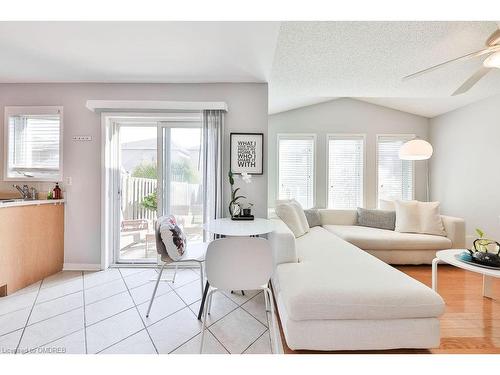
[{"x": 470, "y": 324}]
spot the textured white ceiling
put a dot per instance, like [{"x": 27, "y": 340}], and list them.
[
  {"x": 304, "y": 62},
  {"x": 368, "y": 60},
  {"x": 137, "y": 51}
]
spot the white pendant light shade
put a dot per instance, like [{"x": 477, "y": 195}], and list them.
[{"x": 416, "y": 149}]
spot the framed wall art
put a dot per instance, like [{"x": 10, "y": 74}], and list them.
[{"x": 247, "y": 153}]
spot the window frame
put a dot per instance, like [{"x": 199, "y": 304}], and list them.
[
  {"x": 32, "y": 110},
  {"x": 330, "y": 136},
  {"x": 403, "y": 137},
  {"x": 299, "y": 136}
]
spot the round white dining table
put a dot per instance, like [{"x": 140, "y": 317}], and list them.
[{"x": 239, "y": 228}]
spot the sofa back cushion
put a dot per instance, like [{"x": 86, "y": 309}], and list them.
[
  {"x": 293, "y": 216},
  {"x": 376, "y": 218},
  {"x": 430, "y": 219},
  {"x": 338, "y": 217},
  {"x": 419, "y": 217},
  {"x": 407, "y": 217},
  {"x": 313, "y": 217}
]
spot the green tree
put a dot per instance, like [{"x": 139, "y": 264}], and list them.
[
  {"x": 145, "y": 170},
  {"x": 182, "y": 170}
]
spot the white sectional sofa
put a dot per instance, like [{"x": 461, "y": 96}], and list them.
[
  {"x": 332, "y": 295},
  {"x": 390, "y": 246}
]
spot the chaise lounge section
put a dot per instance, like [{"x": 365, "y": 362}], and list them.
[{"x": 332, "y": 295}]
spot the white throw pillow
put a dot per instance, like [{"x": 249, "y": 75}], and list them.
[
  {"x": 419, "y": 217},
  {"x": 407, "y": 217},
  {"x": 292, "y": 214},
  {"x": 430, "y": 219},
  {"x": 302, "y": 216}
]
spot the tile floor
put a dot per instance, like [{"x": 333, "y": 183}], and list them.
[{"x": 105, "y": 312}]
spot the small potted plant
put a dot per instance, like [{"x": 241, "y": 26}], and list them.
[
  {"x": 485, "y": 251},
  {"x": 236, "y": 209}
]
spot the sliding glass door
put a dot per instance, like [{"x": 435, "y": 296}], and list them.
[
  {"x": 160, "y": 173},
  {"x": 138, "y": 169},
  {"x": 181, "y": 176}
]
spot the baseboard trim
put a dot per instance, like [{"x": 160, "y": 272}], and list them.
[{"x": 81, "y": 267}]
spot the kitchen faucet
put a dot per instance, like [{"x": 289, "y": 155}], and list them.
[{"x": 26, "y": 192}]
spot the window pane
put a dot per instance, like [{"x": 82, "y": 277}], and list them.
[
  {"x": 296, "y": 170},
  {"x": 34, "y": 146},
  {"x": 345, "y": 172},
  {"x": 395, "y": 176}
]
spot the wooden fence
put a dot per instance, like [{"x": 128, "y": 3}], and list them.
[{"x": 134, "y": 189}]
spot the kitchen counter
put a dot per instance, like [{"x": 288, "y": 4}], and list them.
[
  {"x": 28, "y": 202},
  {"x": 31, "y": 242}
]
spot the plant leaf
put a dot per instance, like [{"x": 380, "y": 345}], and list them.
[{"x": 480, "y": 233}]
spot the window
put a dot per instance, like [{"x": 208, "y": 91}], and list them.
[
  {"x": 33, "y": 143},
  {"x": 296, "y": 168},
  {"x": 345, "y": 171},
  {"x": 395, "y": 176}
]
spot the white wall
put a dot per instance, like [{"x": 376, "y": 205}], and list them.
[
  {"x": 82, "y": 160},
  {"x": 345, "y": 116},
  {"x": 465, "y": 168}
]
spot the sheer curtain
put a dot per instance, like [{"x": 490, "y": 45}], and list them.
[{"x": 213, "y": 179}]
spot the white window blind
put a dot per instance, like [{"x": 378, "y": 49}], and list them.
[
  {"x": 296, "y": 169},
  {"x": 34, "y": 147},
  {"x": 345, "y": 171},
  {"x": 395, "y": 176}
]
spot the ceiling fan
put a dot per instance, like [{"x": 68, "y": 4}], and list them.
[{"x": 492, "y": 61}]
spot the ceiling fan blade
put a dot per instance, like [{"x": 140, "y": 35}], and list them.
[
  {"x": 473, "y": 79},
  {"x": 494, "y": 38},
  {"x": 464, "y": 57}
]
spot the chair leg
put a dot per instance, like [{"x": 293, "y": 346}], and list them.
[
  {"x": 154, "y": 290},
  {"x": 272, "y": 331},
  {"x": 175, "y": 273},
  {"x": 201, "y": 278},
  {"x": 203, "y": 300},
  {"x": 209, "y": 304},
  {"x": 203, "y": 323}
]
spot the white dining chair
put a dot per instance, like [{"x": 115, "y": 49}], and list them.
[
  {"x": 242, "y": 263},
  {"x": 193, "y": 253}
]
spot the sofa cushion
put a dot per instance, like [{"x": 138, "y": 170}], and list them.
[
  {"x": 419, "y": 217},
  {"x": 430, "y": 219},
  {"x": 407, "y": 217},
  {"x": 292, "y": 214},
  {"x": 337, "y": 280},
  {"x": 313, "y": 217},
  {"x": 380, "y": 239},
  {"x": 376, "y": 218}
]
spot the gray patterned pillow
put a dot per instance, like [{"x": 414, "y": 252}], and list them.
[
  {"x": 173, "y": 237},
  {"x": 376, "y": 218},
  {"x": 313, "y": 218}
]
